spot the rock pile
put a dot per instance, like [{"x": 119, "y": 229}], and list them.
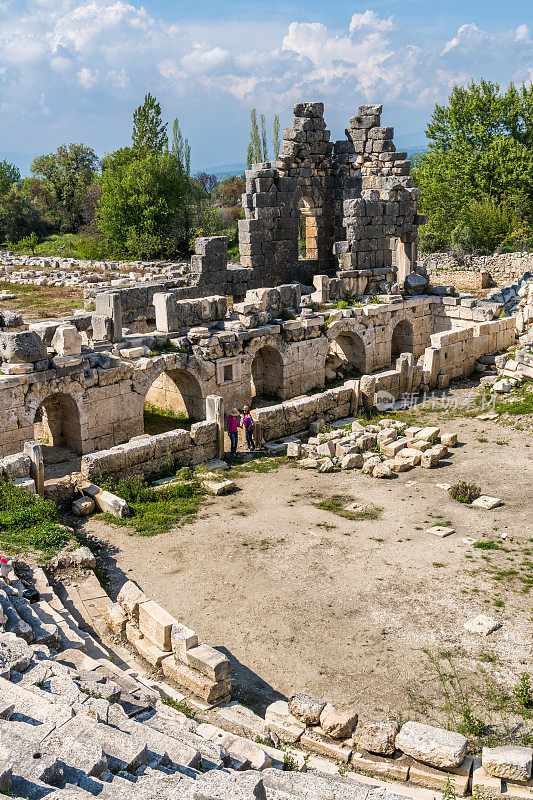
[{"x": 379, "y": 450}]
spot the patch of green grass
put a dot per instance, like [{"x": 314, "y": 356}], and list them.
[
  {"x": 160, "y": 420},
  {"x": 262, "y": 464},
  {"x": 519, "y": 401},
  {"x": 336, "y": 504},
  {"x": 155, "y": 510},
  {"x": 486, "y": 545},
  {"x": 27, "y": 522}
]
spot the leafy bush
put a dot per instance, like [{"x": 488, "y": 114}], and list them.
[
  {"x": 464, "y": 492},
  {"x": 523, "y": 691},
  {"x": 29, "y": 522}
]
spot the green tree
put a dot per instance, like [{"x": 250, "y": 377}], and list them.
[
  {"x": 149, "y": 132},
  {"x": 9, "y": 174},
  {"x": 67, "y": 175},
  {"x": 264, "y": 138},
  {"x": 29, "y": 242},
  {"x": 275, "y": 141},
  {"x": 479, "y": 161},
  {"x": 257, "y": 152},
  {"x": 19, "y": 215},
  {"x": 139, "y": 206},
  {"x": 181, "y": 148},
  {"x": 255, "y": 138}
]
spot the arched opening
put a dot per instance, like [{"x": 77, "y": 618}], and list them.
[
  {"x": 347, "y": 354},
  {"x": 57, "y": 424},
  {"x": 307, "y": 230},
  {"x": 267, "y": 373},
  {"x": 402, "y": 339},
  {"x": 174, "y": 400}
]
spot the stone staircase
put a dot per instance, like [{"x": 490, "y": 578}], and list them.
[{"x": 77, "y": 721}]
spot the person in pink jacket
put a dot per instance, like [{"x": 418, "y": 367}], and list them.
[{"x": 233, "y": 423}]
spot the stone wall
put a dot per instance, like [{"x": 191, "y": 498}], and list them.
[
  {"x": 149, "y": 456},
  {"x": 503, "y": 267},
  {"x": 462, "y": 279}
]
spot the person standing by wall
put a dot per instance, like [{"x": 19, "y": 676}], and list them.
[
  {"x": 249, "y": 426},
  {"x": 233, "y": 423}
]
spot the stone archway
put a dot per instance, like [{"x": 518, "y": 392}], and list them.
[
  {"x": 267, "y": 373},
  {"x": 57, "y": 422},
  {"x": 402, "y": 339},
  {"x": 350, "y": 349},
  {"x": 178, "y": 393}
]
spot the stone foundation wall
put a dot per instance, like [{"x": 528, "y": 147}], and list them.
[
  {"x": 148, "y": 456},
  {"x": 462, "y": 279},
  {"x": 504, "y": 268}
]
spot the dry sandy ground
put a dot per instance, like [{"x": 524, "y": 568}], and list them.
[{"x": 303, "y": 599}]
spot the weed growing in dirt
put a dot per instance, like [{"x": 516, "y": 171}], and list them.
[
  {"x": 336, "y": 504},
  {"x": 178, "y": 705},
  {"x": 523, "y": 691},
  {"x": 464, "y": 492},
  {"x": 27, "y": 522},
  {"x": 289, "y": 763},
  {"x": 155, "y": 510}
]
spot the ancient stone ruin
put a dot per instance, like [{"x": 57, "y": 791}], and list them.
[{"x": 328, "y": 291}]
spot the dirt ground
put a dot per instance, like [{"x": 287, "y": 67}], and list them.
[{"x": 368, "y": 614}]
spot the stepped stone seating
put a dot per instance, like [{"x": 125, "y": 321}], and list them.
[{"x": 73, "y": 727}]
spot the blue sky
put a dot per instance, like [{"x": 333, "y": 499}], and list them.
[{"x": 73, "y": 70}]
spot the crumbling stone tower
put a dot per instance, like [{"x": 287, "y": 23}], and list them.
[{"x": 356, "y": 197}]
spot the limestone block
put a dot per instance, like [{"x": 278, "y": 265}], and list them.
[
  {"x": 487, "y": 502},
  {"x": 448, "y": 439},
  {"x": 428, "y": 433},
  {"x": 200, "y": 685},
  {"x": 375, "y": 764},
  {"x": 377, "y": 737},
  {"x": 484, "y": 783},
  {"x": 22, "y": 347},
  {"x": 280, "y": 721},
  {"x": 432, "y": 778},
  {"x": 107, "y": 501},
  {"x": 337, "y": 724},
  {"x": 352, "y": 461},
  {"x": 129, "y": 597},
  {"x": 313, "y": 739},
  {"x": 306, "y": 708},
  {"x": 156, "y": 624},
  {"x": 294, "y": 450},
  {"x": 482, "y": 624},
  {"x": 66, "y": 341},
  {"x": 437, "y": 747},
  {"x": 440, "y": 530},
  {"x": 116, "y": 618},
  {"x": 510, "y": 762},
  {"x": 182, "y": 639},
  {"x": 83, "y": 506},
  {"x": 209, "y": 662},
  {"x": 382, "y": 471}
]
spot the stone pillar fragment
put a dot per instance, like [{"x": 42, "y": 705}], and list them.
[
  {"x": 35, "y": 453},
  {"x": 108, "y": 304},
  {"x": 214, "y": 411}
]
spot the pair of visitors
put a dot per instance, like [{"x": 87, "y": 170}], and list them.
[{"x": 233, "y": 425}]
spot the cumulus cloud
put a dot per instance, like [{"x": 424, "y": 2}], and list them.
[{"x": 51, "y": 48}]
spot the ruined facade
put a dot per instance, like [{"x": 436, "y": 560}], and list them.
[
  {"x": 271, "y": 327},
  {"x": 354, "y": 200}
]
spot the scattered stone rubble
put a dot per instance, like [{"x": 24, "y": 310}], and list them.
[{"x": 379, "y": 450}]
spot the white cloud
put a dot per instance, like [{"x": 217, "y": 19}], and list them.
[
  {"x": 51, "y": 48},
  {"x": 369, "y": 19},
  {"x": 118, "y": 78},
  {"x": 203, "y": 59},
  {"x": 88, "y": 77}
]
